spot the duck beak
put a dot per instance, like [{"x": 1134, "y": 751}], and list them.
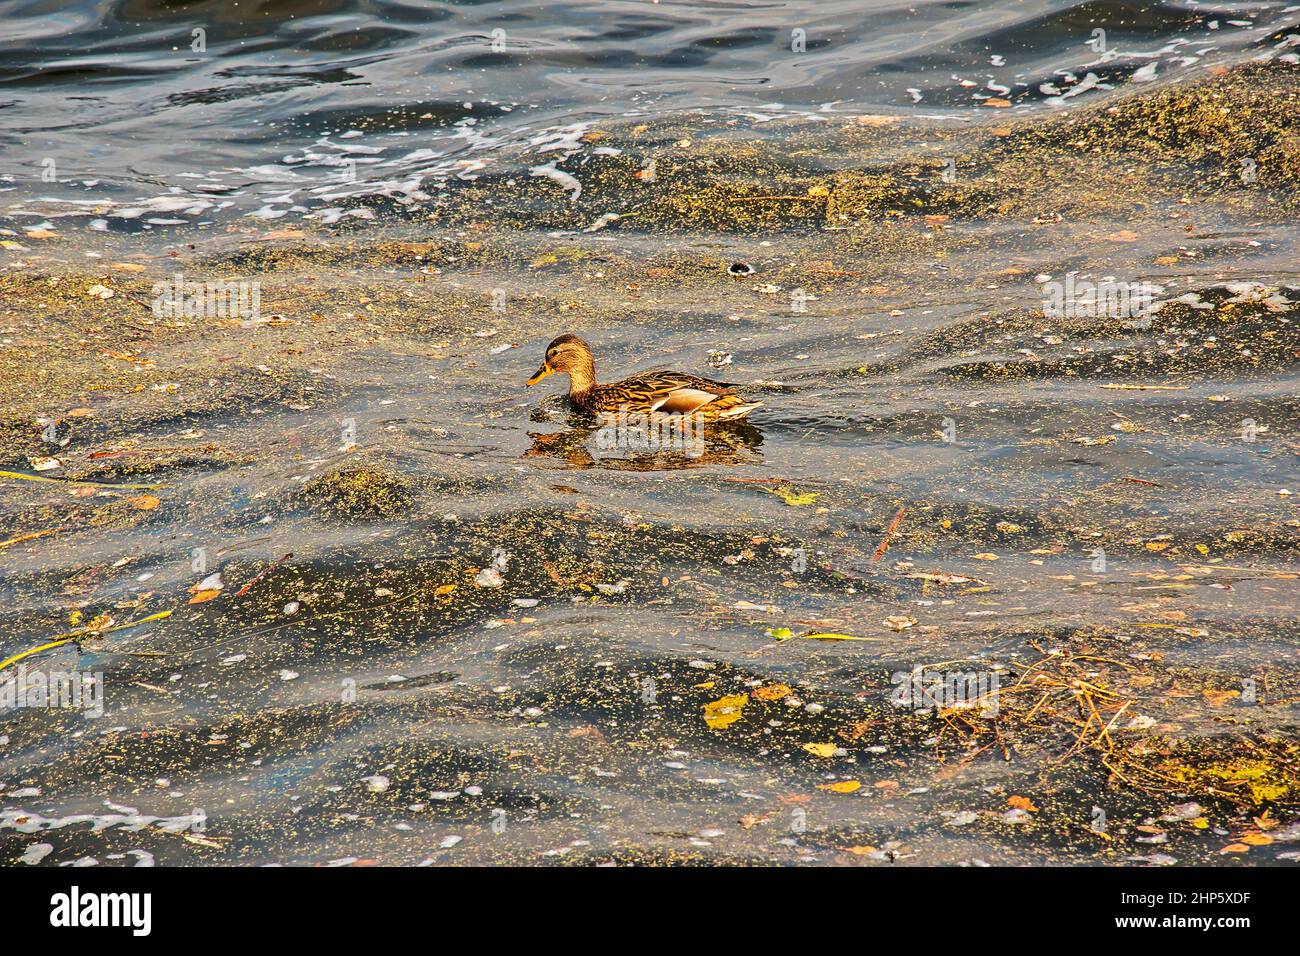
[{"x": 542, "y": 372}]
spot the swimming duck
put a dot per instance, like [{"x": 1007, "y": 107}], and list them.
[{"x": 664, "y": 393}]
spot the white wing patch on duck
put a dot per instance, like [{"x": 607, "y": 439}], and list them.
[{"x": 683, "y": 401}]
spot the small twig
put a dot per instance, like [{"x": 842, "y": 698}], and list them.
[
  {"x": 32, "y": 536},
  {"x": 71, "y": 636},
  {"x": 889, "y": 534},
  {"x": 73, "y": 482},
  {"x": 1105, "y": 731},
  {"x": 778, "y": 198},
  {"x": 261, "y": 574}
]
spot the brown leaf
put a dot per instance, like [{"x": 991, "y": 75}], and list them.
[
  {"x": 1219, "y": 698},
  {"x": 856, "y": 731}
]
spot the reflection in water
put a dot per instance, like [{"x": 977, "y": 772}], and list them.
[{"x": 666, "y": 443}]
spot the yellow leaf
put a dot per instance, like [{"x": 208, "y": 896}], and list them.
[
  {"x": 1157, "y": 545},
  {"x": 1235, "y": 848},
  {"x": 144, "y": 502},
  {"x": 201, "y": 596},
  {"x": 1257, "y": 839},
  {"x": 1268, "y": 791},
  {"x": 725, "y": 711},
  {"x": 829, "y": 636},
  {"x": 707, "y": 685},
  {"x": 841, "y": 786},
  {"x": 986, "y": 556},
  {"x": 793, "y": 498},
  {"x": 1022, "y": 803},
  {"x": 821, "y": 750}
]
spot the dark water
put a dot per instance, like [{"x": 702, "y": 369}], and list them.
[
  {"x": 1110, "y": 496},
  {"x": 111, "y": 117}
]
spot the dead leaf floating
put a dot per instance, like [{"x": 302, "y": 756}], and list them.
[{"x": 725, "y": 711}]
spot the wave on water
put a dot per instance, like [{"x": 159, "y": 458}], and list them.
[{"x": 139, "y": 116}]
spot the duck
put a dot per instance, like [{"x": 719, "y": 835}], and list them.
[{"x": 646, "y": 393}]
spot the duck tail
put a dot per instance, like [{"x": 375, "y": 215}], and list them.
[{"x": 737, "y": 411}]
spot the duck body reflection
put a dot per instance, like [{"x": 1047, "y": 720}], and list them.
[{"x": 626, "y": 441}]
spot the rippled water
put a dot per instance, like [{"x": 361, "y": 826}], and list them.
[
  {"x": 863, "y": 232},
  {"x": 113, "y": 116}
]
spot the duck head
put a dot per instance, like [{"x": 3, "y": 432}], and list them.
[{"x": 570, "y": 355}]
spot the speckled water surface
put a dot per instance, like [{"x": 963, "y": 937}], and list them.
[{"x": 353, "y": 594}]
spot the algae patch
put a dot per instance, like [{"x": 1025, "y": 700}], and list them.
[{"x": 359, "y": 493}]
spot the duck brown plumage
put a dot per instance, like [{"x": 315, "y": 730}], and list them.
[{"x": 646, "y": 393}]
